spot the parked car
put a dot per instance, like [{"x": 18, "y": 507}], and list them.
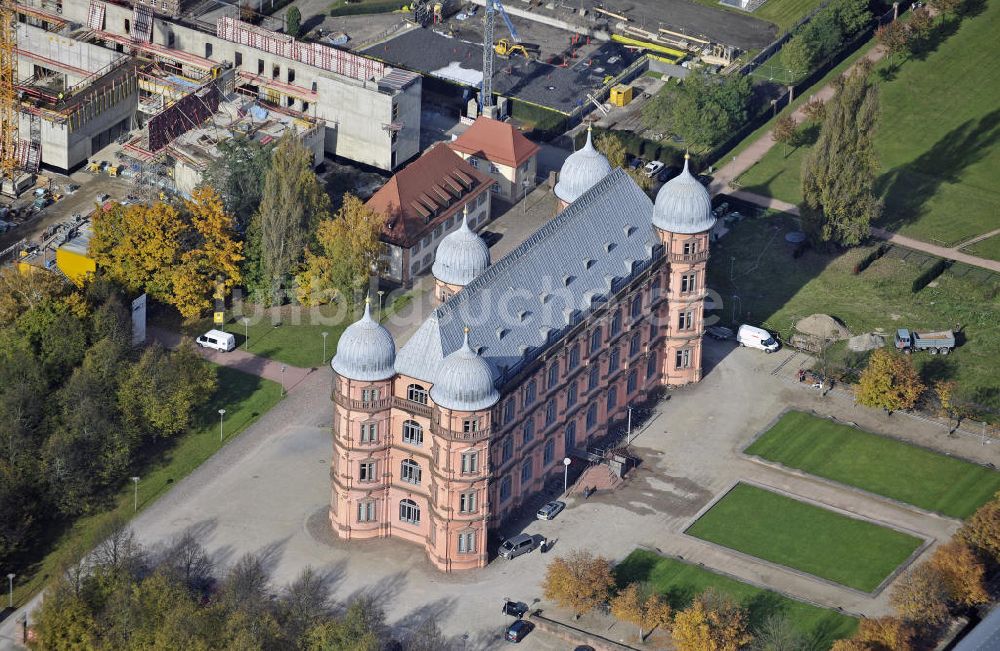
[
  {"x": 517, "y": 631},
  {"x": 519, "y": 544},
  {"x": 667, "y": 173},
  {"x": 908, "y": 341},
  {"x": 652, "y": 168},
  {"x": 754, "y": 337},
  {"x": 217, "y": 340},
  {"x": 635, "y": 163},
  {"x": 515, "y": 608},
  {"x": 550, "y": 510},
  {"x": 101, "y": 198},
  {"x": 721, "y": 333}
]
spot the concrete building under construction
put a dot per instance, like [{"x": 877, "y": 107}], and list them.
[{"x": 91, "y": 72}]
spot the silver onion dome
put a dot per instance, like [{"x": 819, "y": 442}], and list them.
[
  {"x": 581, "y": 171},
  {"x": 683, "y": 205},
  {"x": 366, "y": 351},
  {"x": 461, "y": 256},
  {"x": 465, "y": 381}
]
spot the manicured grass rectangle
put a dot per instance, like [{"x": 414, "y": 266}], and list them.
[
  {"x": 681, "y": 582},
  {"x": 907, "y": 473},
  {"x": 805, "y": 537}
]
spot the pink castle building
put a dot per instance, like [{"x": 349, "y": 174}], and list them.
[{"x": 526, "y": 361}]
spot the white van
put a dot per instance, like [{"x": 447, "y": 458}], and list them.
[
  {"x": 217, "y": 340},
  {"x": 754, "y": 337}
]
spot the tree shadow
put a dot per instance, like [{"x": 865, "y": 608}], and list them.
[
  {"x": 383, "y": 590},
  {"x": 942, "y": 31},
  {"x": 906, "y": 189}
]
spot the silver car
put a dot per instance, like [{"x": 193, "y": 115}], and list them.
[{"x": 550, "y": 510}]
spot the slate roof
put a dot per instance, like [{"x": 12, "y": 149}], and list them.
[
  {"x": 496, "y": 141},
  {"x": 985, "y": 636},
  {"x": 426, "y": 192},
  {"x": 526, "y": 300}
]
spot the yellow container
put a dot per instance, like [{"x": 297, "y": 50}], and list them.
[{"x": 621, "y": 95}]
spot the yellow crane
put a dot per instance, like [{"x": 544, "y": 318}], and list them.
[{"x": 8, "y": 90}]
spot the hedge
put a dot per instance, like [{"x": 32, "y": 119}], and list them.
[
  {"x": 359, "y": 8},
  {"x": 930, "y": 274},
  {"x": 867, "y": 261}
]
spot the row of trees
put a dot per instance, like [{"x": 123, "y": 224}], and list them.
[
  {"x": 78, "y": 406},
  {"x": 582, "y": 582},
  {"x": 829, "y": 30},
  {"x": 125, "y": 597},
  {"x": 952, "y": 582}
]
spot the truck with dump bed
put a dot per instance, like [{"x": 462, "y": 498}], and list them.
[{"x": 908, "y": 341}]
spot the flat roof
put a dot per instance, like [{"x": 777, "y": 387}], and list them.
[
  {"x": 79, "y": 241},
  {"x": 461, "y": 62}
]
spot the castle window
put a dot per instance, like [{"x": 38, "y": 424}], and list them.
[
  {"x": 505, "y": 488},
  {"x": 528, "y": 431},
  {"x": 416, "y": 393},
  {"x": 409, "y": 471},
  {"x": 612, "y": 399},
  {"x": 569, "y": 440},
  {"x": 574, "y": 357},
  {"x": 413, "y": 432},
  {"x": 634, "y": 345},
  {"x": 530, "y": 391},
  {"x": 616, "y": 323},
  {"x": 553, "y": 375},
  {"x": 571, "y": 394},
  {"x": 633, "y": 379},
  {"x": 366, "y": 511},
  {"x": 683, "y": 358},
  {"x": 688, "y": 283},
  {"x": 526, "y": 470},
  {"x": 507, "y": 451},
  {"x": 595, "y": 340},
  {"x": 636, "y": 309},
  {"x": 684, "y": 320},
  {"x": 369, "y": 432},
  {"x": 366, "y": 471},
  {"x": 467, "y": 542},
  {"x": 470, "y": 425},
  {"x": 470, "y": 463},
  {"x": 409, "y": 511},
  {"x": 550, "y": 412},
  {"x": 369, "y": 395},
  {"x": 651, "y": 366},
  {"x": 614, "y": 359},
  {"x": 690, "y": 247},
  {"x": 467, "y": 502},
  {"x": 595, "y": 376},
  {"x": 508, "y": 411},
  {"x": 592, "y": 415},
  {"x": 550, "y": 450}
]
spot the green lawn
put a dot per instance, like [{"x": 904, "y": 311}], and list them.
[
  {"x": 910, "y": 474},
  {"x": 783, "y": 13},
  {"x": 244, "y": 397},
  {"x": 754, "y": 263},
  {"x": 805, "y": 537},
  {"x": 937, "y": 141},
  {"x": 681, "y": 582},
  {"x": 988, "y": 248},
  {"x": 291, "y": 334}
]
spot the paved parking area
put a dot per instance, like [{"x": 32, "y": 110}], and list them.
[{"x": 267, "y": 492}]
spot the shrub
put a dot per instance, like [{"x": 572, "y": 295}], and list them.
[
  {"x": 930, "y": 274},
  {"x": 867, "y": 261}
]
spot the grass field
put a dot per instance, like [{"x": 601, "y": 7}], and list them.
[
  {"x": 244, "y": 397},
  {"x": 881, "y": 465},
  {"x": 783, "y": 13},
  {"x": 805, "y": 537},
  {"x": 755, "y": 264},
  {"x": 937, "y": 141},
  {"x": 988, "y": 248},
  {"x": 291, "y": 334},
  {"x": 681, "y": 582}
]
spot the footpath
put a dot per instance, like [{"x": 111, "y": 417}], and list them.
[{"x": 725, "y": 181}]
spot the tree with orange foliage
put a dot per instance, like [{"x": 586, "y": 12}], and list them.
[
  {"x": 889, "y": 382},
  {"x": 920, "y": 595},
  {"x": 645, "y": 611},
  {"x": 963, "y": 574},
  {"x": 879, "y": 634},
  {"x": 711, "y": 623},
  {"x": 982, "y": 531},
  {"x": 579, "y": 581}
]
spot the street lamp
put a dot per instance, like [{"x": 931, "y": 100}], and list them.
[
  {"x": 246, "y": 333},
  {"x": 381, "y": 293},
  {"x": 325, "y": 334},
  {"x": 628, "y": 432},
  {"x": 524, "y": 197},
  {"x": 566, "y": 463},
  {"x": 135, "y": 494},
  {"x": 10, "y": 591},
  {"x": 283, "y": 367},
  {"x": 222, "y": 414}
]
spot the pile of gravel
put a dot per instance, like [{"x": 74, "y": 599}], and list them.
[
  {"x": 823, "y": 326},
  {"x": 865, "y": 342}
]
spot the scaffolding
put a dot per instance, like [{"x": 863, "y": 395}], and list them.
[{"x": 8, "y": 90}]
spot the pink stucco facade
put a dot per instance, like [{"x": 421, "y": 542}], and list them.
[{"x": 406, "y": 468}]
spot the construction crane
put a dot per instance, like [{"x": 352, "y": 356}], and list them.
[
  {"x": 9, "y": 108},
  {"x": 493, "y": 7}
]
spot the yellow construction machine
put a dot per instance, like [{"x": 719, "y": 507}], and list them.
[{"x": 506, "y": 48}]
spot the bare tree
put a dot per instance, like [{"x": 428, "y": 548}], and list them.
[{"x": 187, "y": 560}]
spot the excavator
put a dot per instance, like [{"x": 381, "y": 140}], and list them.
[{"x": 507, "y": 48}]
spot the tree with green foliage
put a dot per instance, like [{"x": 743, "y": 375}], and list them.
[
  {"x": 236, "y": 176},
  {"x": 838, "y": 175},
  {"x": 293, "y": 203},
  {"x": 706, "y": 109},
  {"x": 824, "y": 35},
  {"x": 293, "y": 21},
  {"x": 894, "y": 38},
  {"x": 784, "y": 131},
  {"x": 614, "y": 150}
]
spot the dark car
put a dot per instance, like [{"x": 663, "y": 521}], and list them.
[
  {"x": 667, "y": 173},
  {"x": 515, "y": 608},
  {"x": 517, "y": 631}
]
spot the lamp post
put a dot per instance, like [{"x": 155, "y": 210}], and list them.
[
  {"x": 566, "y": 463},
  {"x": 283, "y": 367},
  {"x": 222, "y": 414},
  {"x": 325, "y": 334},
  {"x": 246, "y": 333},
  {"x": 10, "y": 589},
  {"x": 135, "y": 494},
  {"x": 628, "y": 431},
  {"x": 381, "y": 293},
  {"x": 524, "y": 196}
]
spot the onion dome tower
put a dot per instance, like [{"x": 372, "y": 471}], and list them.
[
  {"x": 580, "y": 171},
  {"x": 460, "y": 257},
  {"x": 366, "y": 351},
  {"x": 465, "y": 381},
  {"x": 683, "y": 219}
]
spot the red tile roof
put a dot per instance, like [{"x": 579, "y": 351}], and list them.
[
  {"x": 426, "y": 192},
  {"x": 497, "y": 142}
]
